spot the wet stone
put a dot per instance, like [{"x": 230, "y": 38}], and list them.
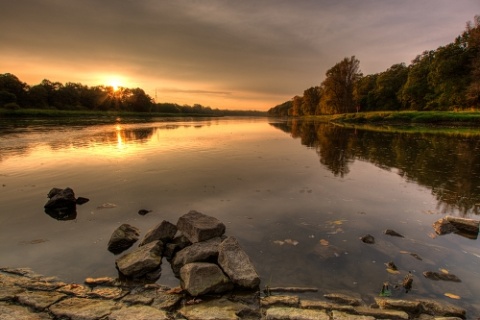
[
  {"x": 291, "y": 301},
  {"x": 138, "y": 312},
  {"x": 39, "y": 300},
  {"x": 343, "y": 299},
  {"x": 214, "y": 310},
  {"x": 83, "y": 309},
  {"x": 13, "y": 312},
  {"x": 289, "y": 313}
]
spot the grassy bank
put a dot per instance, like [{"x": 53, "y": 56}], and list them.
[{"x": 407, "y": 117}]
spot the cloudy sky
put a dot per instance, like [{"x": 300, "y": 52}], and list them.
[{"x": 242, "y": 54}]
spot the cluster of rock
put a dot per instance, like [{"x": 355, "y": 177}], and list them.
[
  {"x": 205, "y": 260},
  {"x": 26, "y": 295}
]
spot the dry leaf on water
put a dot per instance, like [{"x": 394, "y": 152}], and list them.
[
  {"x": 452, "y": 296},
  {"x": 324, "y": 242}
]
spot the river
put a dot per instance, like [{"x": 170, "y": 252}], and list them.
[{"x": 297, "y": 195}]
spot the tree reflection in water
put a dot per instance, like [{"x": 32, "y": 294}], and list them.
[{"x": 448, "y": 163}]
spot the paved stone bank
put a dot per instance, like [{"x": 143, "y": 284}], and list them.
[{"x": 26, "y": 295}]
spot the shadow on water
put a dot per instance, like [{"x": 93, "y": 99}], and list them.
[{"x": 447, "y": 161}]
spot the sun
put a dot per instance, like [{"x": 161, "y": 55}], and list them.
[{"x": 114, "y": 81}]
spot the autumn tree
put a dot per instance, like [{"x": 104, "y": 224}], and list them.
[
  {"x": 311, "y": 100},
  {"x": 338, "y": 86}
]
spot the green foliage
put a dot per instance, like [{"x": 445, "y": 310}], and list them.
[{"x": 445, "y": 79}]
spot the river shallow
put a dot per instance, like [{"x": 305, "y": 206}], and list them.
[{"x": 297, "y": 195}]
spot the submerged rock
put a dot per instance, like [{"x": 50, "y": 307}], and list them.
[
  {"x": 368, "y": 239},
  {"x": 441, "y": 276},
  {"x": 393, "y": 233}
]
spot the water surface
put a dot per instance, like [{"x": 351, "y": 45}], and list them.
[{"x": 297, "y": 195}]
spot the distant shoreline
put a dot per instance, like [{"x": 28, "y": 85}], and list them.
[{"x": 54, "y": 113}]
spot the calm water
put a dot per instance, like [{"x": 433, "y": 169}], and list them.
[{"x": 319, "y": 187}]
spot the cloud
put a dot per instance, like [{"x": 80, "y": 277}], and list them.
[{"x": 268, "y": 49}]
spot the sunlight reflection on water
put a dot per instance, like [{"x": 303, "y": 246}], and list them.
[{"x": 265, "y": 186}]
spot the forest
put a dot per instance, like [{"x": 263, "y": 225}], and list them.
[
  {"x": 48, "y": 95},
  {"x": 445, "y": 79}
]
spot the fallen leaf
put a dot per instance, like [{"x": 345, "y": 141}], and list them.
[
  {"x": 390, "y": 270},
  {"x": 107, "y": 205},
  {"x": 452, "y": 296},
  {"x": 404, "y": 252},
  {"x": 175, "y": 290},
  {"x": 292, "y": 242},
  {"x": 279, "y": 242},
  {"x": 445, "y": 271},
  {"x": 324, "y": 242}
]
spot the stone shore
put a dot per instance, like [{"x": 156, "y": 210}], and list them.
[{"x": 27, "y": 295}]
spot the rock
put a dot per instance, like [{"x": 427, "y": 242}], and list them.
[
  {"x": 143, "y": 212},
  {"x": 206, "y": 251},
  {"x": 393, "y": 233},
  {"x": 123, "y": 238},
  {"x": 164, "y": 231},
  {"x": 442, "y": 309},
  {"x": 290, "y": 301},
  {"x": 237, "y": 265},
  {"x": 441, "y": 276},
  {"x": 82, "y": 309},
  {"x": 343, "y": 299},
  {"x": 464, "y": 227},
  {"x": 410, "y": 306},
  {"x": 178, "y": 243},
  {"x": 13, "y": 312},
  {"x": 318, "y": 304},
  {"x": 81, "y": 200},
  {"x": 138, "y": 312},
  {"x": 142, "y": 261},
  {"x": 202, "y": 277},
  {"x": 39, "y": 300},
  {"x": 289, "y": 313},
  {"x": 340, "y": 315},
  {"x": 198, "y": 227},
  {"x": 61, "y": 204},
  {"x": 368, "y": 239},
  {"x": 381, "y": 313}
]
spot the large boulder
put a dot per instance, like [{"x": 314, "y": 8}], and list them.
[
  {"x": 198, "y": 227},
  {"x": 199, "y": 278},
  {"x": 123, "y": 238},
  {"x": 142, "y": 261},
  {"x": 236, "y": 264},
  {"x": 206, "y": 251},
  {"x": 164, "y": 231}
]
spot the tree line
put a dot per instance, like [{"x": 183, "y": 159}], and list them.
[
  {"x": 15, "y": 94},
  {"x": 447, "y": 78}
]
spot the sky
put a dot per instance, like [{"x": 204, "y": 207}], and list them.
[{"x": 226, "y": 54}]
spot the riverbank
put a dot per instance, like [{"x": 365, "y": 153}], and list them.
[
  {"x": 54, "y": 113},
  {"x": 27, "y": 295},
  {"x": 461, "y": 118}
]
